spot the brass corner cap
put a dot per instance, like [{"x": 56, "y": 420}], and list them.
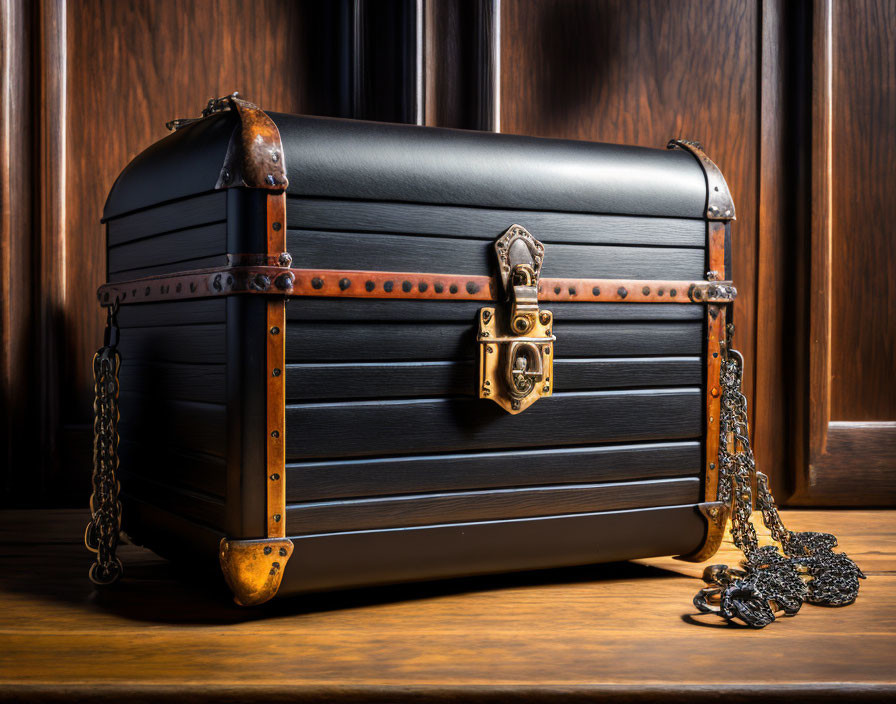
[
  {"x": 253, "y": 569},
  {"x": 716, "y": 515},
  {"x": 255, "y": 155},
  {"x": 719, "y": 203}
]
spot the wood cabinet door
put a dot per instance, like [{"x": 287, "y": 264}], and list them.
[{"x": 850, "y": 395}]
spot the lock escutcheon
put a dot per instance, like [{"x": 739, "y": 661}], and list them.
[{"x": 516, "y": 345}]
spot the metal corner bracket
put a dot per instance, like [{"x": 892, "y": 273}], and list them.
[
  {"x": 253, "y": 569},
  {"x": 719, "y": 203},
  {"x": 255, "y": 153},
  {"x": 716, "y": 515}
]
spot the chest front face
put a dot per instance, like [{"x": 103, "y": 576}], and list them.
[{"x": 343, "y": 399}]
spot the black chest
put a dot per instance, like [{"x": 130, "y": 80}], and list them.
[{"x": 372, "y": 353}]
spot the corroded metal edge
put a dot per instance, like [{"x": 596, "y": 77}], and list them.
[
  {"x": 253, "y": 569},
  {"x": 255, "y": 153},
  {"x": 719, "y": 203},
  {"x": 336, "y": 283}
]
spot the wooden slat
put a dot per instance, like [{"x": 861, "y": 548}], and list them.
[
  {"x": 434, "y": 425},
  {"x": 182, "y": 382},
  {"x": 487, "y": 224},
  {"x": 201, "y": 210},
  {"x": 186, "y": 425},
  {"x": 494, "y": 504},
  {"x": 185, "y": 265},
  {"x": 179, "y": 343},
  {"x": 353, "y": 250},
  {"x": 332, "y": 380},
  {"x": 186, "y": 244},
  {"x": 421, "y": 341},
  {"x": 164, "y": 464},
  {"x": 333, "y": 309},
  {"x": 313, "y": 481},
  {"x": 195, "y": 506},
  {"x": 210, "y": 310}
]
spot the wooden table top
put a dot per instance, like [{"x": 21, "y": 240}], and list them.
[{"x": 624, "y": 631}]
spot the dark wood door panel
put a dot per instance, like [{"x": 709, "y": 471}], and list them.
[{"x": 863, "y": 253}]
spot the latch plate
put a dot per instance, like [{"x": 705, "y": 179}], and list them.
[{"x": 516, "y": 343}]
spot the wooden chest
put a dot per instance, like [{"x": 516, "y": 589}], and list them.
[{"x": 318, "y": 316}]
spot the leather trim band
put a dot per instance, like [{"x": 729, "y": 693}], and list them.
[{"x": 333, "y": 283}]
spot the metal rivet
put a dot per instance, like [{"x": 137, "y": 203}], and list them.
[
  {"x": 439, "y": 288},
  {"x": 276, "y": 226},
  {"x": 595, "y": 291},
  {"x": 422, "y": 286},
  {"x": 472, "y": 287},
  {"x": 275, "y": 371},
  {"x": 453, "y": 288},
  {"x": 673, "y": 293},
  {"x": 275, "y": 565},
  {"x": 369, "y": 286},
  {"x": 317, "y": 283},
  {"x": 388, "y": 286},
  {"x": 267, "y": 549},
  {"x": 275, "y": 157},
  {"x": 344, "y": 284},
  {"x": 275, "y": 477},
  {"x": 406, "y": 286},
  {"x": 271, "y": 181},
  {"x": 282, "y": 552},
  {"x": 646, "y": 290},
  {"x": 712, "y": 465},
  {"x": 275, "y": 330},
  {"x": 622, "y": 292},
  {"x": 714, "y": 392},
  {"x": 275, "y": 433},
  {"x": 572, "y": 290},
  {"x": 277, "y": 517}
]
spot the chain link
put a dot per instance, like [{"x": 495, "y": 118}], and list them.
[
  {"x": 805, "y": 569},
  {"x": 104, "y": 529}
]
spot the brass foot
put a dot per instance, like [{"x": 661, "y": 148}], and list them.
[{"x": 253, "y": 568}]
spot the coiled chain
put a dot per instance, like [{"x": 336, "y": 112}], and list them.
[
  {"x": 103, "y": 530},
  {"x": 808, "y": 569}
]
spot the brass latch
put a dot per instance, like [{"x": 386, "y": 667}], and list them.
[{"x": 516, "y": 347}]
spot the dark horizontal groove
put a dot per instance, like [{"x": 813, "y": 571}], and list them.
[
  {"x": 174, "y": 402},
  {"x": 180, "y": 515},
  {"x": 186, "y": 492},
  {"x": 485, "y": 238},
  {"x": 119, "y": 272},
  {"x": 452, "y": 397},
  {"x": 400, "y": 363},
  {"x": 559, "y": 394},
  {"x": 494, "y": 521},
  {"x": 494, "y": 453},
  {"x": 156, "y": 206},
  {"x": 442, "y": 360},
  {"x": 185, "y": 324},
  {"x": 495, "y": 491},
  {"x": 186, "y": 455},
  {"x": 142, "y": 362},
  {"x": 482, "y": 207},
  {"x": 222, "y": 221}
]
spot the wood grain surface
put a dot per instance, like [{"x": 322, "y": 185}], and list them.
[
  {"x": 619, "y": 632},
  {"x": 863, "y": 242}
]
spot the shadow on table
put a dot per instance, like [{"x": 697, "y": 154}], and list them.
[{"x": 157, "y": 591}]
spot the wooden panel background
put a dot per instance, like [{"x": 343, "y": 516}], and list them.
[
  {"x": 863, "y": 256},
  {"x": 87, "y": 84}
]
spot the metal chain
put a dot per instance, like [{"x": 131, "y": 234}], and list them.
[
  {"x": 806, "y": 568},
  {"x": 104, "y": 529}
]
